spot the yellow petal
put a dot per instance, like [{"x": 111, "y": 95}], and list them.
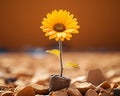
[
  {"x": 62, "y": 39},
  {"x": 75, "y": 31},
  {"x": 71, "y": 25},
  {"x": 59, "y": 35},
  {"x": 52, "y": 36},
  {"x": 51, "y": 32},
  {"x": 47, "y": 30},
  {"x": 68, "y": 19},
  {"x": 57, "y": 38},
  {"x": 69, "y": 35},
  {"x": 63, "y": 34},
  {"x": 69, "y": 30}
]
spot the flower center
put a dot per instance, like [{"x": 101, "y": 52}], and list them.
[{"x": 59, "y": 27}]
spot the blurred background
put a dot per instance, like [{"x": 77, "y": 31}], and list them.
[{"x": 99, "y": 20}]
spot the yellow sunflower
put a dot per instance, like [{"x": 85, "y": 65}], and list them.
[{"x": 59, "y": 25}]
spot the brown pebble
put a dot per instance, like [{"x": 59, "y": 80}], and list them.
[
  {"x": 57, "y": 82},
  {"x": 83, "y": 87},
  {"x": 40, "y": 89},
  {"x": 114, "y": 85},
  {"x": 24, "y": 91},
  {"x": 43, "y": 82},
  {"x": 73, "y": 92},
  {"x": 91, "y": 92},
  {"x": 95, "y": 77},
  {"x": 62, "y": 92},
  {"x": 4, "y": 88},
  {"x": 100, "y": 89},
  {"x": 104, "y": 94},
  {"x": 7, "y": 93},
  {"x": 105, "y": 85}
]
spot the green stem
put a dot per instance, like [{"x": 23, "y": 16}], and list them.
[{"x": 61, "y": 64}]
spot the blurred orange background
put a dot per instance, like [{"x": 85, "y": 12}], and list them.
[{"x": 99, "y": 20}]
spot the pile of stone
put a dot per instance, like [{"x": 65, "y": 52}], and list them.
[
  {"x": 76, "y": 89},
  {"x": 96, "y": 84}
]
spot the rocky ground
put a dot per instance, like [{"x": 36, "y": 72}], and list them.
[{"x": 26, "y": 74}]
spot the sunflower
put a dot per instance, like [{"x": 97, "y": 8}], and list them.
[{"x": 59, "y": 25}]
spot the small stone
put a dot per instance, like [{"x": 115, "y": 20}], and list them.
[
  {"x": 59, "y": 93},
  {"x": 40, "y": 89},
  {"x": 19, "y": 82},
  {"x": 39, "y": 78},
  {"x": 105, "y": 85},
  {"x": 7, "y": 93},
  {"x": 105, "y": 94},
  {"x": 10, "y": 80},
  {"x": 43, "y": 82},
  {"x": 4, "y": 88},
  {"x": 73, "y": 92},
  {"x": 116, "y": 92},
  {"x": 24, "y": 91},
  {"x": 83, "y": 87},
  {"x": 95, "y": 77},
  {"x": 100, "y": 89},
  {"x": 113, "y": 86},
  {"x": 91, "y": 92},
  {"x": 56, "y": 83}
]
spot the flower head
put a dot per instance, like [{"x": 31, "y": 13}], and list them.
[{"x": 59, "y": 25}]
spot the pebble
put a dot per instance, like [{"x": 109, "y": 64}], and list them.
[
  {"x": 4, "y": 88},
  {"x": 57, "y": 82},
  {"x": 106, "y": 88},
  {"x": 40, "y": 89},
  {"x": 43, "y": 82},
  {"x": 10, "y": 80},
  {"x": 83, "y": 87},
  {"x": 7, "y": 93},
  {"x": 73, "y": 92},
  {"x": 59, "y": 93},
  {"x": 105, "y": 94},
  {"x": 91, "y": 92},
  {"x": 116, "y": 92},
  {"x": 113, "y": 86},
  {"x": 24, "y": 91},
  {"x": 95, "y": 77},
  {"x": 100, "y": 89},
  {"x": 39, "y": 78},
  {"x": 105, "y": 85}
]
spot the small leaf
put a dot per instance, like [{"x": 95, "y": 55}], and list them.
[
  {"x": 74, "y": 65},
  {"x": 54, "y": 52}
]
